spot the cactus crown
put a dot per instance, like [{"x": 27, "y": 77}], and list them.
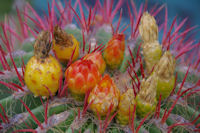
[
  {"x": 148, "y": 28},
  {"x": 61, "y": 37},
  {"x": 148, "y": 89},
  {"x": 42, "y": 45},
  {"x": 166, "y": 66}
]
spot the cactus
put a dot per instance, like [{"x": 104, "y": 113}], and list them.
[
  {"x": 114, "y": 51},
  {"x": 81, "y": 76},
  {"x": 165, "y": 72},
  {"x": 104, "y": 96},
  {"x": 97, "y": 59},
  {"x": 42, "y": 71},
  {"x": 126, "y": 107},
  {"x": 146, "y": 98},
  {"x": 152, "y": 50},
  {"x": 175, "y": 109},
  {"x": 64, "y": 45}
]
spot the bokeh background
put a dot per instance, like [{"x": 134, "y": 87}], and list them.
[{"x": 181, "y": 8}]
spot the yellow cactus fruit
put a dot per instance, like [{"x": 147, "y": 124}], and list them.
[
  {"x": 104, "y": 96},
  {"x": 42, "y": 71},
  {"x": 114, "y": 51},
  {"x": 146, "y": 98},
  {"x": 126, "y": 107},
  {"x": 96, "y": 58},
  {"x": 165, "y": 72},
  {"x": 64, "y": 44},
  {"x": 148, "y": 28}
]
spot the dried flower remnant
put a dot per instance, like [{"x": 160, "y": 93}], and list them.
[
  {"x": 165, "y": 73},
  {"x": 64, "y": 45},
  {"x": 146, "y": 98},
  {"x": 152, "y": 50},
  {"x": 105, "y": 97},
  {"x": 42, "y": 71},
  {"x": 114, "y": 51},
  {"x": 82, "y": 76},
  {"x": 126, "y": 107}
]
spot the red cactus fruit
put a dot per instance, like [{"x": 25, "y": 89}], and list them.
[
  {"x": 82, "y": 76},
  {"x": 114, "y": 51},
  {"x": 97, "y": 59}
]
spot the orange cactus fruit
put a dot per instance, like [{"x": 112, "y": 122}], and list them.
[
  {"x": 96, "y": 58},
  {"x": 42, "y": 71},
  {"x": 81, "y": 76},
  {"x": 114, "y": 51},
  {"x": 104, "y": 96},
  {"x": 64, "y": 45},
  {"x": 126, "y": 107}
]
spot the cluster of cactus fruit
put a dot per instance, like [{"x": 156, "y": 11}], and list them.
[{"x": 117, "y": 86}]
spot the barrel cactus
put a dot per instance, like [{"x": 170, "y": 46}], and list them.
[{"x": 153, "y": 87}]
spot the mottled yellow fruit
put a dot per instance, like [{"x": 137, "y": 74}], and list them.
[
  {"x": 126, "y": 107},
  {"x": 42, "y": 71},
  {"x": 64, "y": 44},
  {"x": 39, "y": 74}
]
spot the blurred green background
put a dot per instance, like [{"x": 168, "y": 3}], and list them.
[{"x": 5, "y": 7}]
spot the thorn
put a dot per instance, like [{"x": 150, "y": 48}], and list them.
[
  {"x": 32, "y": 115},
  {"x": 25, "y": 130},
  {"x": 141, "y": 123},
  {"x": 119, "y": 21},
  {"x": 9, "y": 86},
  {"x": 50, "y": 93},
  {"x": 179, "y": 90}
]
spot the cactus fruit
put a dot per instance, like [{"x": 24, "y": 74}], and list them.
[
  {"x": 114, "y": 51},
  {"x": 152, "y": 50},
  {"x": 103, "y": 96},
  {"x": 152, "y": 53},
  {"x": 42, "y": 71},
  {"x": 146, "y": 98},
  {"x": 96, "y": 58},
  {"x": 165, "y": 73},
  {"x": 81, "y": 76},
  {"x": 148, "y": 28},
  {"x": 126, "y": 107},
  {"x": 64, "y": 45}
]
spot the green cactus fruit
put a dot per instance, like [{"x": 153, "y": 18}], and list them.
[
  {"x": 148, "y": 28},
  {"x": 146, "y": 98},
  {"x": 165, "y": 73},
  {"x": 152, "y": 52},
  {"x": 126, "y": 107}
]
